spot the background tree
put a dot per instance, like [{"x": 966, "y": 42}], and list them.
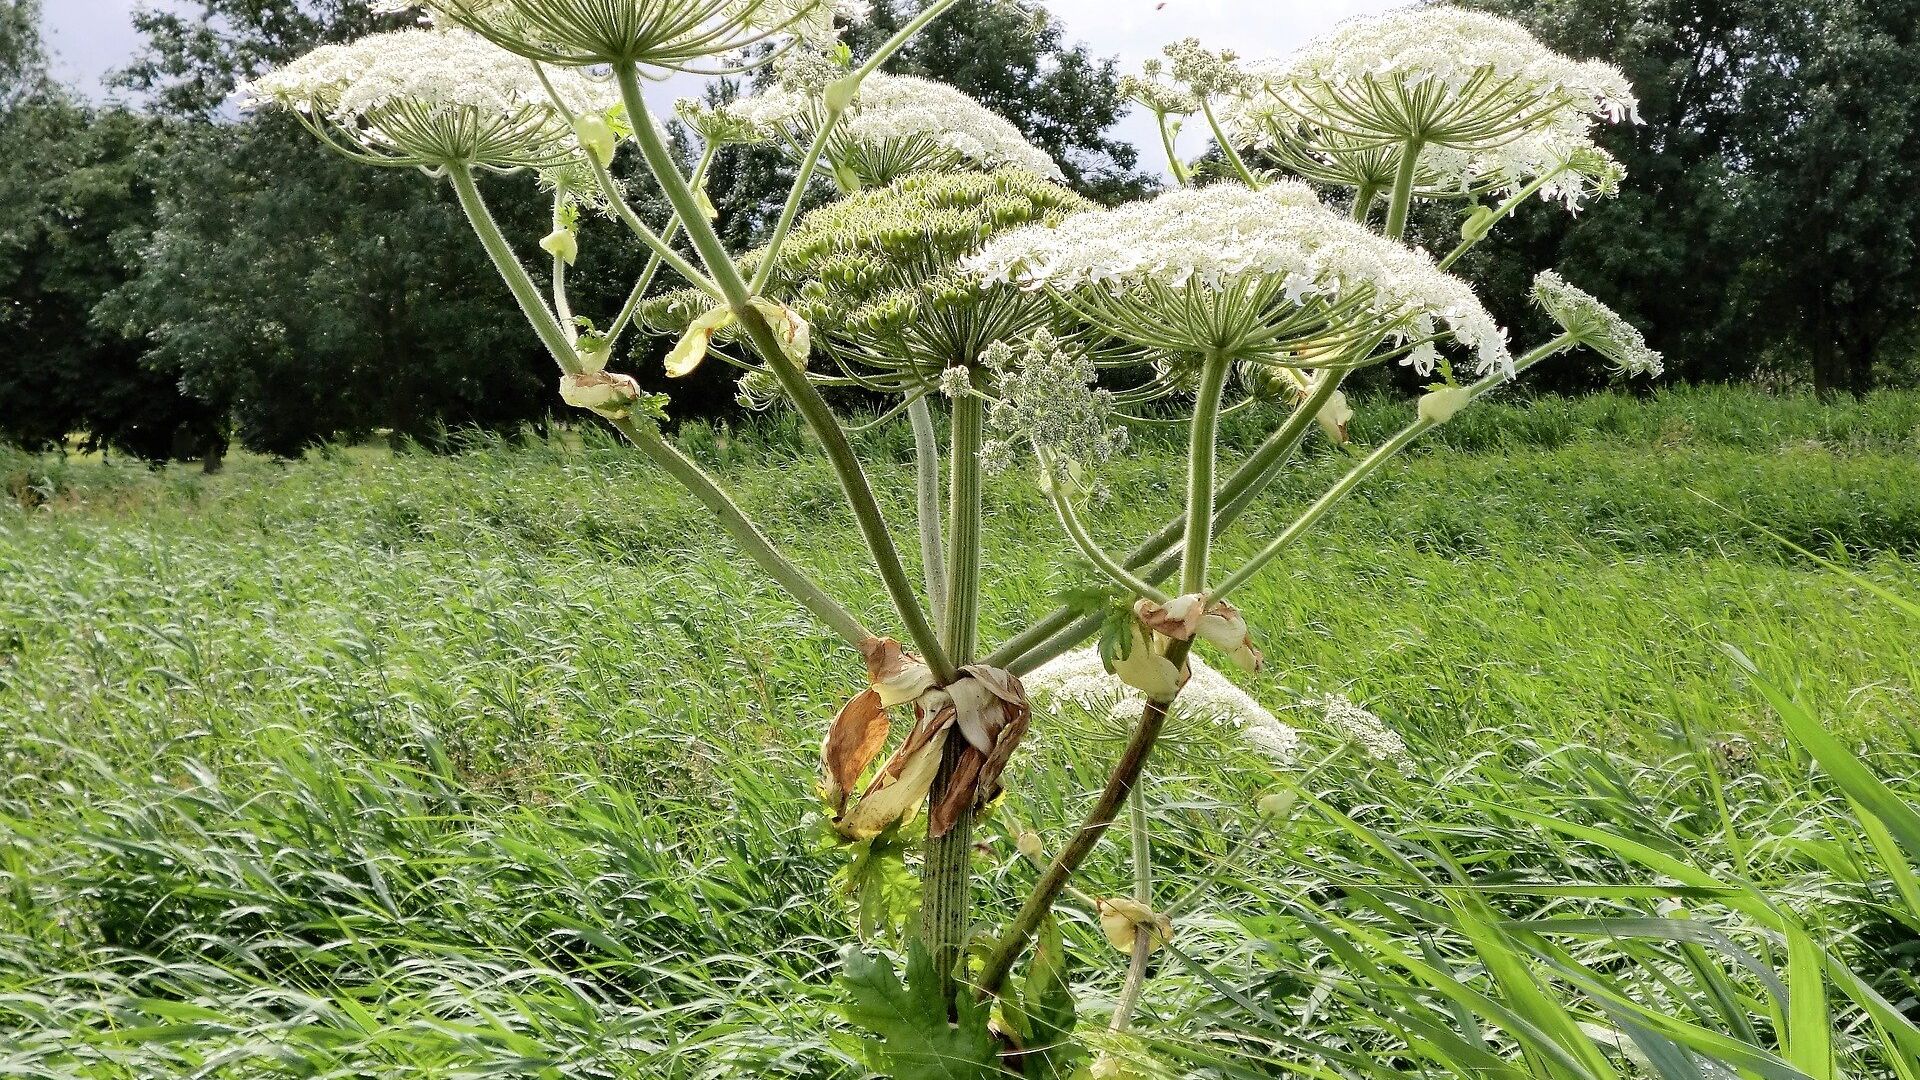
[
  {"x": 1830, "y": 196},
  {"x": 1770, "y": 221},
  {"x": 71, "y": 181}
]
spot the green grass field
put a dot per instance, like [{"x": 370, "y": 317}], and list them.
[{"x": 501, "y": 763}]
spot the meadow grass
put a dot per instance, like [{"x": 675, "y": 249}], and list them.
[{"x": 500, "y": 763}]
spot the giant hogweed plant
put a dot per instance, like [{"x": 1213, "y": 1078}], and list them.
[{"x": 954, "y": 268}]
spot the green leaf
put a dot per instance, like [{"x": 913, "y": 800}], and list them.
[
  {"x": 1043, "y": 1016},
  {"x": 884, "y": 892},
  {"x": 1809, "y": 1035},
  {"x": 911, "y": 1038}
]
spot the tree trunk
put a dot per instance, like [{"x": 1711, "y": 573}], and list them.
[
  {"x": 1860, "y": 359},
  {"x": 1830, "y": 375}
]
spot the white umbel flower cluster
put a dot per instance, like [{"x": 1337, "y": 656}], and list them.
[
  {"x": 1493, "y": 107},
  {"x": 1595, "y": 325},
  {"x": 425, "y": 97},
  {"x": 1223, "y": 237},
  {"x": 1374, "y": 736},
  {"x": 1459, "y": 58},
  {"x": 898, "y": 124}
]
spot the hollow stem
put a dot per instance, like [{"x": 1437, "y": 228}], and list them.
[
  {"x": 1226, "y": 146},
  {"x": 1363, "y": 203},
  {"x": 1402, "y": 197},
  {"x": 525, "y": 293},
  {"x": 947, "y": 881},
  {"x": 1174, "y": 164},
  {"x": 964, "y": 507},
  {"x": 926, "y": 456},
  {"x": 1200, "y": 466}
]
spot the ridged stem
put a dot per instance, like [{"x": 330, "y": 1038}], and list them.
[
  {"x": 1201, "y": 455},
  {"x": 1402, "y": 198},
  {"x": 926, "y": 460},
  {"x": 946, "y": 891}
]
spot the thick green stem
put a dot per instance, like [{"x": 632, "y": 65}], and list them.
[
  {"x": 1363, "y": 203},
  {"x": 1226, "y": 146},
  {"x": 525, "y": 292},
  {"x": 1043, "y": 640},
  {"x": 1200, "y": 464},
  {"x": 926, "y": 457},
  {"x": 733, "y": 519},
  {"x": 1126, "y": 772},
  {"x": 946, "y": 889},
  {"x": 964, "y": 507},
  {"x": 1173, "y": 156},
  {"x": 1367, "y": 467},
  {"x": 805, "y": 396},
  {"x": 1402, "y": 197}
]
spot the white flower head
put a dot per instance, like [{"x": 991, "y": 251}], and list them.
[
  {"x": 1449, "y": 76},
  {"x": 1374, "y": 736},
  {"x": 673, "y": 35},
  {"x": 896, "y": 125},
  {"x": 1080, "y": 677},
  {"x": 431, "y": 99},
  {"x": 1492, "y": 108},
  {"x": 1249, "y": 274},
  {"x": 1595, "y": 325}
]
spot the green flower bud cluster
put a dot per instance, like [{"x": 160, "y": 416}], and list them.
[{"x": 875, "y": 274}]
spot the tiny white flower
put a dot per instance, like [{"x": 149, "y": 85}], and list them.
[{"x": 433, "y": 98}]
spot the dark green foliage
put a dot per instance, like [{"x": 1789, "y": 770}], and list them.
[
  {"x": 1829, "y": 212},
  {"x": 72, "y": 183},
  {"x": 1766, "y": 224},
  {"x": 911, "y": 1038},
  {"x": 323, "y": 299}
]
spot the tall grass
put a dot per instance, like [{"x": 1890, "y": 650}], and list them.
[{"x": 499, "y": 763}]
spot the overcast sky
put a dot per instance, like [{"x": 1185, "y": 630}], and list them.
[{"x": 90, "y": 37}]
